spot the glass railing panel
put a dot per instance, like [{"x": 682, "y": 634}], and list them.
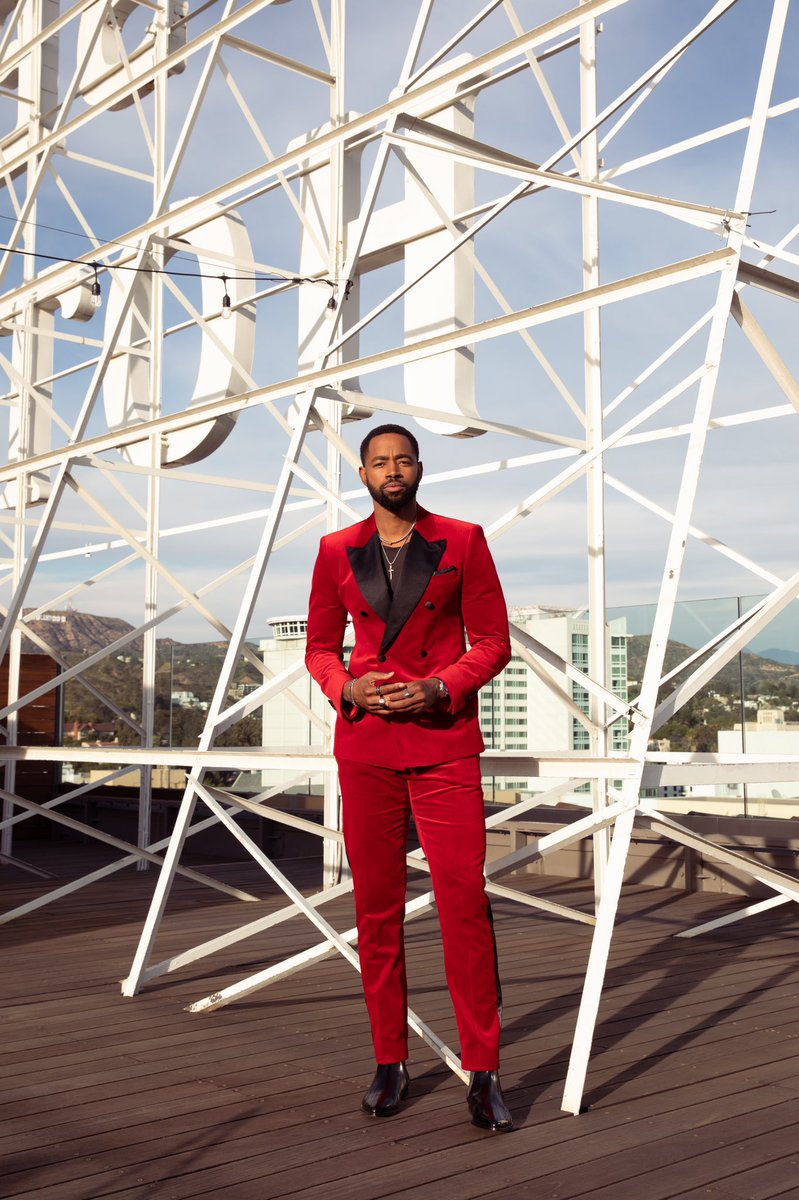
[{"x": 770, "y": 673}]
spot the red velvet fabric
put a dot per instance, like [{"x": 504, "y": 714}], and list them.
[
  {"x": 447, "y": 804},
  {"x": 456, "y": 592}
]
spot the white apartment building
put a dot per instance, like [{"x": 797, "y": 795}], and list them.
[
  {"x": 285, "y": 725},
  {"x": 517, "y": 710}
]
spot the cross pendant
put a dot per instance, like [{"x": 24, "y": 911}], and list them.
[{"x": 390, "y": 572}]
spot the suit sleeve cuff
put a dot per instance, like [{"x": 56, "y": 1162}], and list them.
[
  {"x": 454, "y": 701},
  {"x": 335, "y": 695}
]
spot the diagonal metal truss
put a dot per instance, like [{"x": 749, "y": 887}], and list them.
[{"x": 467, "y": 237}]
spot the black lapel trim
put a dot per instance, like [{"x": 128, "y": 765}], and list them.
[
  {"x": 370, "y": 577},
  {"x": 421, "y": 560}
]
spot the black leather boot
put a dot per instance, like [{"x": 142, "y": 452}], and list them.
[
  {"x": 487, "y": 1104},
  {"x": 388, "y": 1088}
]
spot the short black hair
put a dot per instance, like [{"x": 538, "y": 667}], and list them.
[{"x": 379, "y": 430}]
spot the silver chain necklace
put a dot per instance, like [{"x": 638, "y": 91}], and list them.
[
  {"x": 391, "y": 561},
  {"x": 404, "y": 537}
]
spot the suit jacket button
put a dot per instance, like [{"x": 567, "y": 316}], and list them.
[
  {"x": 381, "y": 658},
  {"x": 429, "y": 604},
  {"x": 424, "y": 654}
]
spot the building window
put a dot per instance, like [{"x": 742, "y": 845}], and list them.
[
  {"x": 621, "y": 737},
  {"x": 581, "y": 738}
]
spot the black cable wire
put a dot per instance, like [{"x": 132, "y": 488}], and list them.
[
  {"x": 257, "y": 277},
  {"x": 75, "y": 233}
]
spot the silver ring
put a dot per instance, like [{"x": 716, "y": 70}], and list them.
[
  {"x": 377, "y": 690},
  {"x": 382, "y": 702},
  {"x": 408, "y": 694}
]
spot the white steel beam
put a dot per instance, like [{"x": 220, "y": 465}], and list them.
[
  {"x": 756, "y": 620},
  {"x": 751, "y": 910},
  {"x": 137, "y": 853},
  {"x": 589, "y": 1005},
  {"x": 235, "y": 645}
]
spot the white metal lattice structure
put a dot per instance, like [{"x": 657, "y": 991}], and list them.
[{"x": 524, "y": 245}]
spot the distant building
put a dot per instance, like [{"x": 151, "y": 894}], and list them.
[
  {"x": 285, "y": 725},
  {"x": 770, "y": 735},
  {"x": 185, "y": 699},
  {"x": 239, "y": 690},
  {"x": 519, "y": 712},
  {"x": 89, "y": 733},
  {"x": 767, "y": 718}
]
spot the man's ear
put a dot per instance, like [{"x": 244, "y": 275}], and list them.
[
  {"x": 362, "y": 473},
  {"x": 421, "y": 470}
]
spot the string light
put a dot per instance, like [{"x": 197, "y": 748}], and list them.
[
  {"x": 96, "y": 290},
  {"x": 227, "y": 311},
  {"x": 255, "y": 277}
]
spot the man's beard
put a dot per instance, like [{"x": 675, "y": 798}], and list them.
[{"x": 394, "y": 504}]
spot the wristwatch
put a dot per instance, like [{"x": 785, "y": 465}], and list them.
[{"x": 443, "y": 690}]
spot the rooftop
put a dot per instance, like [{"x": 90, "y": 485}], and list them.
[{"x": 690, "y": 1088}]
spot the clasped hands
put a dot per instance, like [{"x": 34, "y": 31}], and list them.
[{"x": 374, "y": 694}]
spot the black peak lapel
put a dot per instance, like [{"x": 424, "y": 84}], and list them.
[
  {"x": 421, "y": 560},
  {"x": 368, "y": 571}
]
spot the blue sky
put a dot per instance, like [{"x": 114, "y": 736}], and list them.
[{"x": 746, "y": 490}]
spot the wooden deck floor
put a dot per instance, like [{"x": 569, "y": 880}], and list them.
[{"x": 692, "y": 1087}]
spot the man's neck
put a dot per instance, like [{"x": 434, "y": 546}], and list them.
[{"x": 392, "y": 525}]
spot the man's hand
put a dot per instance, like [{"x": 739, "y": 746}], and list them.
[
  {"x": 372, "y": 694},
  {"x": 413, "y": 697}
]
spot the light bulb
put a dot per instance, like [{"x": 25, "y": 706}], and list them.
[
  {"x": 96, "y": 295},
  {"x": 227, "y": 311}
]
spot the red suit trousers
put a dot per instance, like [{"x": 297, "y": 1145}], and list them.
[{"x": 447, "y": 804}]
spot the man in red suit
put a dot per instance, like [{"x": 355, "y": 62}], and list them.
[{"x": 408, "y": 740}]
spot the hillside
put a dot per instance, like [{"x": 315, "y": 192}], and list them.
[
  {"x": 761, "y": 675},
  {"x": 80, "y": 633},
  {"x": 718, "y": 705},
  {"x": 180, "y": 667}
]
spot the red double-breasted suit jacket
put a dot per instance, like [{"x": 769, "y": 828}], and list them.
[{"x": 450, "y": 590}]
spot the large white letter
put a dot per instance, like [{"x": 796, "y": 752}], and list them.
[
  {"x": 105, "y": 69},
  {"x": 225, "y": 359},
  {"x": 411, "y": 231}
]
